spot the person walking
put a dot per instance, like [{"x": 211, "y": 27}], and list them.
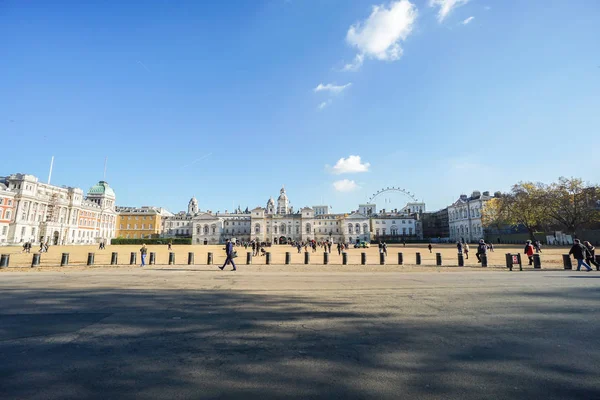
[
  {"x": 430, "y": 247},
  {"x": 170, "y": 245},
  {"x": 384, "y": 248},
  {"x": 538, "y": 246},
  {"x": 299, "y": 247},
  {"x": 466, "y": 249},
  {"x": 143, "y": 252},
  {"x": 529, "y": 251},
  {"x": 591, "y": 259},
  {"x": 339, "y": 249},
  {"x": 329, "y": 247},
  {"x": 230, "y": 255},
  {"x": 579, "y": 252}
]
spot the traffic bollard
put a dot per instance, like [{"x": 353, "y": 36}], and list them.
[
  {"x": 133, "y": 258},
  {"x": 90, "y": 260},
  {"x": 344, "y": 258},
  {"x": 306, "y": 257},
  {"x": 382, "y": 258},
  {"x": 537, "y": 261},
  {"x": 152, "y": 258},
  {"x": 114, "y": 258},
  {"x": 190, "y": 258},
  {"x": 248, "y": 258},
  {"x": 418, "y": 257},
  {"x": 483, "y": 260},
  {"x": 597, "y": 259},
  {"x": 287, "y": 257},
  {"x": 363, "y": 258},
  {"x": 567, "y": 261},
  {"x": 268, "y": 258},
  {"x": 438, "y": 259},
  {"x": 4, "y": 260},
  {"x": 64, "y": 259},
  {"x": 325, "y": 258},
  {"x": 35, "y": 261},
  {"x": 461, "y": 260},
  {"x": 171, "y": 258},
  {"x": 209, "y": 258},
  {"x": 400, "y": 258}
]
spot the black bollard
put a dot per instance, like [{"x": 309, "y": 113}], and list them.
[
  {"x": 248, "y": 258},
  {"x": 114, "y": 258},
  {"x": 400, "y": 259},
  {"x": 152, "y": 258},
  {"x": 209, "y": 259},
  {"x": 190, "y": 258},
  {"x": 4, "y": 260},
  {"x": 509, "y": 263},
  {"x": 325, "y": 258},
  {"x": 597, "y": 259},
  {"x": 344, "y": 258},
  {"x": 171, "y": 258},
  {"x": 537, "y": 262},
  {"x": 382, "y": 258},
  {"x": 438, "y": 259},
  {"x": 461, "y": 260},
  {"x": 90, "y": 260},
  {"x": 418, "y": 256},
  {"x": 64, "y": 260},
  {"x": 268, "y": 258},
  {"x": 35, "y": 261},
  {"x": 567, "y": 261},
  {"x": 483, "y": 260},
  {"x": 306, "y": 257},
  {"x": 363, "y": 258},
  {"x": 133, "y": 258},
  {"x": 287, "y": 257}
]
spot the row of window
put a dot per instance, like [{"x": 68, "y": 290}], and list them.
[
  {"x": 135, "y": 226},
  {"x": 6, "y": 201}
]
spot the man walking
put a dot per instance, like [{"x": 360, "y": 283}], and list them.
[
  {"x": 143, "y": 252},
  {"x": 230, "y": 255},
  {"x": 590, "y": 259},
  {"x": 529, "y": 251},
  {"x": 579, "y": 253}
]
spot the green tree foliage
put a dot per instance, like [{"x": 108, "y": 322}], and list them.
[{"x": 572, "y": 204}]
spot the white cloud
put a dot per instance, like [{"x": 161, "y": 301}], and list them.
[
  {"x": 379, "y": 35},
  {"x": 466, "y": 21},
  {"x": 349, "y": 165},
  {"x": 331, "y": 88},
  {"x": 446, "y": 6},
  {"x": 345, "y": 185},
  {"x": 324, "y": 104}
]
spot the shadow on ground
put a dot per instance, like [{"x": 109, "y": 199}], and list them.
[{"x": 230, "y": 344}]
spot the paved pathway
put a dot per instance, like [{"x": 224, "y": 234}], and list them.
[{"x": 191, "y": 333}]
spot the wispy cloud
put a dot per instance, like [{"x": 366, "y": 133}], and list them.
[
  {"x": 446, "y": 6},
  {"x": 379, "y": 36},
  {"x": 345, "y": 185},
  {"x": 324, "y": 104},
  {"x": 143, "y": 66},
  {"x": 350, "y": 165},
  {"x": 466, "y": 21},
  {"x": 331, "y": 88}
]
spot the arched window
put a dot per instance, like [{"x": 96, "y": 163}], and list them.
[
  {"x": 308, "y": 228},
  {"x": 198, "y": 230},
  {"x": 282, "y": 229},
  {"x": 350, "y": 229},
  {"x": 206, "y": 229},
  {"x": 357, "y": 227},
  {"x": 214, "y": 229},
  {"x": 257, "y": 228}
]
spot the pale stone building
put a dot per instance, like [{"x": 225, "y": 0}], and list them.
[
  {"x": 59, "y": 215},
  {"x": 464, "y": 217}
]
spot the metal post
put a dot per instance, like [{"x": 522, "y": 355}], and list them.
[
  {"x": 461, "y": 260},
  {"x": 114, "y": 258},
  {"x": 325, "y": 258},
  {"x": 306, "y": 257},
  {"x": 152, "y": 258},
  {"x": 133, "y": 258},
  {"x": 438, "y": 259},
  {"x": 537, "y": 262},
  {"x": 90, "y": 260},
  {"x": 520, "y": 263},
  {"x": 64, "y": 260},
  {"x": 382, "y": 258},
  {"x": 483, "y": 260},
  {"x": 400, "y": 258},
  {"x": 209, "y": 258},
  {"x": 171, "y": 258},
  {"x": 418, "y": 256},
  {"x": 597, "y": 259},
  {"x": 344, "y": 258},
  {"x": 190, "y": 258},
  {"x": 363, "y": 258},
  {"x": 567, "y": 261},
  {"x": 287, "y": 257},
  {"x": 35, "y": 261},
  {"x": 248, "y": 258},
  {"x": 4, "y": 260},
  {"x": 268, "y": 258}
]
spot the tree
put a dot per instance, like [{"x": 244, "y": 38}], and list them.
[
  {"x": 523, "y": 205},
  {"x": 573, "y": 204}
]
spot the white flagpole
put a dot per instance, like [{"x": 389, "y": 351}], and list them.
[{"x": 50, "y": 173}]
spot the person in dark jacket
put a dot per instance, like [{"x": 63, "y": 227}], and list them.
[
  {"x": 459, "y": 247},
  {"x": 591, "y": 252},
  {"x": 481, "y": 249},
  {"x": 229, "y": 252},
  {"x": 579, "y": 253},
  {"x": 143, "y": 252}
]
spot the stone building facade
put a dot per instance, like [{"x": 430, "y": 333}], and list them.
[
  {"x": 58, "y": 215},
  {"x": 464, "y": 217}
]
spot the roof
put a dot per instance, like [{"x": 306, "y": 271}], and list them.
[{"x": 101, "y": 188}]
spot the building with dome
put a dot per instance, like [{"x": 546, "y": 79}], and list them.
[{"x": 44, "y": 213}]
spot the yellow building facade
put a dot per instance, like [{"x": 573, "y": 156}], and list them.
[{"x": 139, "y": 223}]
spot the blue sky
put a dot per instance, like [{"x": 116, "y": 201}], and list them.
[{"x": 221, "y": 100}]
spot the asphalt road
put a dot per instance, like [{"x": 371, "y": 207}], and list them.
[{"x": 189, "y": 333}]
